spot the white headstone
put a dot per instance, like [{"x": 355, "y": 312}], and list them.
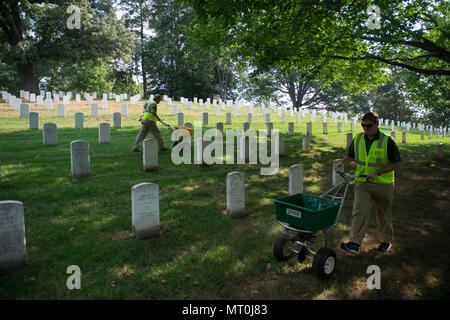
[
  {"x": 79, "y": 159},
  {"x": 349, "y": 139},
  {"x": 291, "y": 128},
  {"x": 205, "y": 118},
  {"x": 235, "y": 194},
  {"x": 94, "y": 110},
  {"x": 24, "y": 110},
  {"x": 306, "y": 143},
  {"x": 79, "y": 120},
  {"x": 180, "y": 119},
  {"x": 61, "y": 110},
  {"x": 145, "y": 210},
  {"x": 150, "y": 154},
  {"x": 325, "y": 127},
  {"x": 124, "y": 110},
  {"x": 12, "y": 235},
  {"x": 309, "y": 128},
  {"x": 295, "y": 179},
  {"x": 104, "y": 133},
  {"x": 335, "y": 177},
  {"x": 39, "y": 100},
  {"x": 34, "y": 120},
  {"x": 117, "y": 120},
  {"x": 49, "y": 134},
  {"x": 16, "y": 104},
  {"x": 228, "y": 118}
]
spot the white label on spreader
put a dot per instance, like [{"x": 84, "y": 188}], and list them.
[{"x": 294, "y": 213}]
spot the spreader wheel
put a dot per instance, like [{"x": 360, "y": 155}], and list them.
[
  {"x": 324, "y": 263},
  {"x": 282, "y": 248}
]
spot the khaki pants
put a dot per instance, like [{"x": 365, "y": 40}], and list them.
[
  {"x": 383, "y": 195},
  {"x": 148, "y": 126}
]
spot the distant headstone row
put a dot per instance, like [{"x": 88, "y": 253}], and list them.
[{"x": 281, "y": 112}]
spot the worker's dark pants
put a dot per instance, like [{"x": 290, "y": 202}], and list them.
[
  {"x": 146, "y": 127},
  {"x": 383, "y": 195}
]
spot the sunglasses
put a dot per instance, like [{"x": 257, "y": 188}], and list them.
[{"x": 367, "y": 125}]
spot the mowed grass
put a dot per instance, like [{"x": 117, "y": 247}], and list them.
[{"x": 201, "y": 253}]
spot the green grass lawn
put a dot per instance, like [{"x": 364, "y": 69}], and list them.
[{"x": 201, "y": 253}]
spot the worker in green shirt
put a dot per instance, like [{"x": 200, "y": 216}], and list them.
[
  {"x": 376, "y": 156},
  {"x": 148, "y": 124}
]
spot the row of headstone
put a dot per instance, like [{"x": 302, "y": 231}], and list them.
[
  {"x": 61, "y": 111},
  {"x": 145, "y": 207},
  {"x": 50, "y": 133},
  {"x": 145, "y": 199},
  {"x": 94, "y": 112},
  {"x": 66, "y": 97}
]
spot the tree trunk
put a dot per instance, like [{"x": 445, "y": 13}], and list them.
[
  {"x": 144, "y": 75},
  {"x": 27, "y": 78}
]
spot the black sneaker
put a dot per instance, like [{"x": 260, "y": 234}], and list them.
[
  {"x": 384, "y": 246},
  {"x": 350, "y": 247}
]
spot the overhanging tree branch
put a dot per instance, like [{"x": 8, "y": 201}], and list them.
[{"x": 428, "y": 72}]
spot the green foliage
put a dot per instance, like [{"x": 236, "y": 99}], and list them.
[
  {"x": 172, "y": 58},
  {"x": 8, "y": 78},
  {"x": 412, "y": 35},
  {"x": 390, "y": 101},
  {"x": 42, "y": 47},
  {"x": 259, "y": 88},
  {"x": 123, "y": 82}
]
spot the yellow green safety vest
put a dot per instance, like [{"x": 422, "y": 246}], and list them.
[
  {"x": 147, "y": 114},
  {"x": 377, "y": 158}
]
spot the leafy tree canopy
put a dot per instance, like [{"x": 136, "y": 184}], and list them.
[{"x": 412, "y": 35}]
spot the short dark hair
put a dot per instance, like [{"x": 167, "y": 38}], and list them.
[
  {"x": 157, "y": 96},
  {"x": 370, "y": 116}
]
